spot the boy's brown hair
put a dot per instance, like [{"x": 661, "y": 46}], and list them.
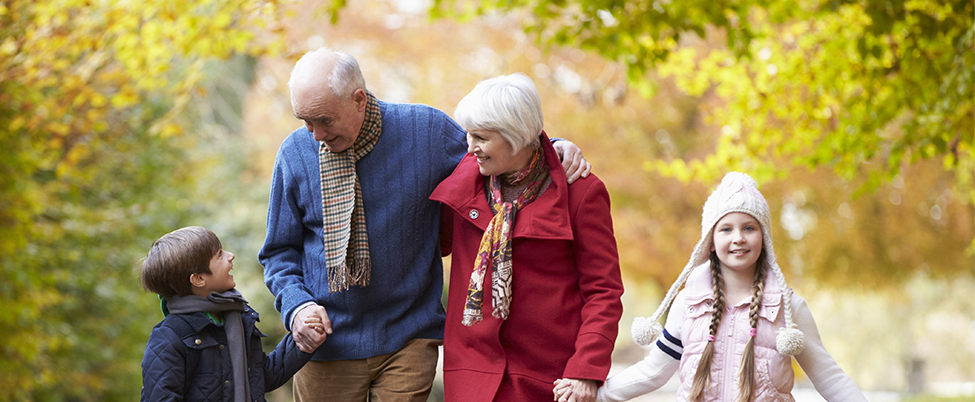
[{"x": 174, "y": 257}]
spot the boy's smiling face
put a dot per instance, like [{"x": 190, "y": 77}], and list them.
[{"x": 219, "y": 279}]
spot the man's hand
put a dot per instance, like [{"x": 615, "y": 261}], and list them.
[
  {"x": 573, "y": 390},
  {"x": 573, "y": 162},
  {"x": 311, "y": 326}
]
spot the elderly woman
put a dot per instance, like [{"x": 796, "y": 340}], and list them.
[{"x": 543, "y": 249}]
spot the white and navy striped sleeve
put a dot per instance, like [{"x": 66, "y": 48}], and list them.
[
  {"x": 670, "y": 342},
  {"x": 670, "y": 345}
]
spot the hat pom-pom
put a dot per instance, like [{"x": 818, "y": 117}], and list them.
[
  {"x": 645, "y": 331},
  {"x": 790, "y": 341}
]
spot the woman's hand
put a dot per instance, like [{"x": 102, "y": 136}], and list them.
[{"x": 573, "y": 390}]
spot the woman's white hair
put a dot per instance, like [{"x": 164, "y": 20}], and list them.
[
  {"x": 345, "y": 76},
  {"x": 508, "y": 104}
]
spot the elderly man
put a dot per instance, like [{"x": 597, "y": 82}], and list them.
[{"x": 352, "y": 238}]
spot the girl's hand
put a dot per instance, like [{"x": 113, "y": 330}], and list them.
[
  {"x": 574, "y": 390},
  {"x": 562, "y": 387}
]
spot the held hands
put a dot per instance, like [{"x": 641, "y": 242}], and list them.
[
  {"x": 311, "y": 326},
  {"x": 573, "y": 161},
  {"x": 573, "y": 390}
]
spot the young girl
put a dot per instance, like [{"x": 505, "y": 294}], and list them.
[{"x": 736, "y": 324}]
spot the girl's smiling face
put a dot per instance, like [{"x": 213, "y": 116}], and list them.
[{"x": 737, "y": 240}]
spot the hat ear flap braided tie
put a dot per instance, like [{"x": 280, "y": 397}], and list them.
[{"x": 645, "y": 331}]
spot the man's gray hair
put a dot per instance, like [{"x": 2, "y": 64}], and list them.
[
  {"x": 508, "y": 104},
  {"x": 345, "y": 76}
]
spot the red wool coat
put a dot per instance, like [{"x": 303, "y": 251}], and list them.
[{"x": 566, "y": 289}]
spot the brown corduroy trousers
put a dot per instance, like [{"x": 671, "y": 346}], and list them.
[{"x": 405, "y": 375}]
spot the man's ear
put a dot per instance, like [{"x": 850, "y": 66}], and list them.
[
  {"x": 361, "y": 99},
  {"x": 198, "y": 280}
]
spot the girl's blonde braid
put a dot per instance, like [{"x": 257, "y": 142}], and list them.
[
  {"x": 703, "y": 374},
  {"x": 746, "y": 373}
]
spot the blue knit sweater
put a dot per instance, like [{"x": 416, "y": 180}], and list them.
[{"x": 419, "y": 147}]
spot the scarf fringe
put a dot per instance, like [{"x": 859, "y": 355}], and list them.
[
  {"x": 501, "y": 308},
  {"x": 353, "y": 273},
  {"x": 471, "y": 317}
]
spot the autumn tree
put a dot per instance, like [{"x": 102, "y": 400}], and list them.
[
  {"x": 96, "y": 160},
  {"x": 830, "y": 99},
  {"x": 862, "y": 87}
]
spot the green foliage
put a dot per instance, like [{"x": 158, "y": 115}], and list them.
[
  {"x": 84, "y": 315},
  {"x": 862, "y": 87},
  {"x": 93, "y": 167}
]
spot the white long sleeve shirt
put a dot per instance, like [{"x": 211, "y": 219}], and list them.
[{"x": 664, "y": 358}]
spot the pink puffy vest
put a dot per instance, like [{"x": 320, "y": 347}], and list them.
[{"x": 773, "y": 372}]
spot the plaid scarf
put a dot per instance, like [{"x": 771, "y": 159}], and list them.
[
  {"x": 495, "y": 248},
  {"x": 344, "y": 219}
]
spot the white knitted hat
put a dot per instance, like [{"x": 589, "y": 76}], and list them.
[{"x": 736, "y": 193}]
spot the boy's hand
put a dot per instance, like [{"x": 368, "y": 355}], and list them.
[
  {"x": 311, "y": 327},
  {"x": 315, "y": 322}
]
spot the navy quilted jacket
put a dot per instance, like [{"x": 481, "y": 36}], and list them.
[{"x": 186, "y": 359}]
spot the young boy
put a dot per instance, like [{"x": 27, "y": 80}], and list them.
[{"x": 207, "y": 348}]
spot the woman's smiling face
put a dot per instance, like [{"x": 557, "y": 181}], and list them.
[{"x": 495, "y": 155}]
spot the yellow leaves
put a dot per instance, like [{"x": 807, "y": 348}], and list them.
[
  {"x": 72, "y": 69},
  {"x": 932, "y": 9},
  {"x": 171, "y": 129},
  {"x": 98, "y": 100},
  {"x": 167, "y": 126},
  {"x": 57, "y": 127},
  {"x": 152, "y": 31},
  {"x": 9, "y": 47},
  {"x": 144, "y": 45},
  {"x": 71, "y": 160},
  {"x": 17, "y": 123},
  {"x": 222, "y": 20},
  {"x": 677, "y": 168},
  {"x": 809, "y": 80},
  {"x": 682, "y": 64},
  {"x": 127, "y": 97}
]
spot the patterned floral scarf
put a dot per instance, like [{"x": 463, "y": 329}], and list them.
[
  {"x": 495, "y": 248},
  {"x": 343, "y": 216}
]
